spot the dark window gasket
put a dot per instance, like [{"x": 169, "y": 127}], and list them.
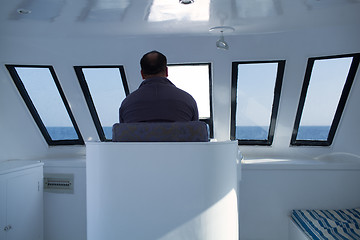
[
  {"x": 85, "y": 89},
  {"x": 22, "y": 90},
  {"x": 341, "y": 105},
  {"x": 275, "y": 108},
  {"x": 209, "y": 121}
]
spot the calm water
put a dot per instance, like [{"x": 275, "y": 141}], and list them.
[
  {"x": 62, "y": 133},
  {"x": 304, "y": 133},
  {"x": 249, "y": 133},
  {"x": 69, "y": 133}
]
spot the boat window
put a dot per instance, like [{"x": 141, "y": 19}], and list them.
[
  {"x": 255, "y": 97},
  {"x": 104, "y": 88},
  {"x": 325, "y": 89},
  {"x": 42, "y": 93},
  {"x": 196, "y": 80}
]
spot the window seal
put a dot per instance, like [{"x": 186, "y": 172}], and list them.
[
  {"x": 209, "y": 121},
  {"x": 340, "y": 107},
  {"x": 90, "y": 103},
  {"x": 275, "y": 108},
  {"x": 33, "y": 111}
]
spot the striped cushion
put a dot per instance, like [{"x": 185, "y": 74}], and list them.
[{"x": 329, "y": 224}]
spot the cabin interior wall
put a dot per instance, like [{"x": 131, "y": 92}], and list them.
[
  {"x": 65, "y": 213},
  {"x": 267, "y": 197},
  {"x": 294, "y": 47},
  {"x": 274, "y": 190},
  {"x": 348, "y": 136},
  {"x": 20, "y": 136},
  {"x": 303, "y": 45}
]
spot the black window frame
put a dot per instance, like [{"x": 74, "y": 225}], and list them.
[
  {"x": 24, "y": 94},
  {"x": 275, "y": 108},
  {"x": 340, "y": 107},
  {"x": 90, "y": 103},
  {"x": 209, "y": 121}
]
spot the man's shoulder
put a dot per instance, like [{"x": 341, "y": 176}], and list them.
[
  {"x": 129, "y": 97},
  {"x": 185, "y": 93}
]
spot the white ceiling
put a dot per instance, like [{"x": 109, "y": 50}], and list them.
[{"x": 55, "y": 18}]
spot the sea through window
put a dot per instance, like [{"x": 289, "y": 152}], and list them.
[
  {"x": 255, "y": 98},
  {"x": 104, "y": 88},
  {"x": 42, "y": 93},
  {"x": 196, "y": 80},
  {"x": 325, "y": 89}
]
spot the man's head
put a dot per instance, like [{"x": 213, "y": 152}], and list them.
[{"x": 153, "y": 64}]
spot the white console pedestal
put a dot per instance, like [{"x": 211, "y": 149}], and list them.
[{"x": 162, "y": 191}]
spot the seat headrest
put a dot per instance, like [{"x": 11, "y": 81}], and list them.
[{"x": 194, "y": 131}]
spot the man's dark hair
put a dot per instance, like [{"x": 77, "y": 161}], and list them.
[{"x": 153, "y": 62}]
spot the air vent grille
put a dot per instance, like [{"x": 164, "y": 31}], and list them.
[{"x": 59, "y": 183}]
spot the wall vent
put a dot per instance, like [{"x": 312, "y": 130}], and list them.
[{"x": 59, "y": 183}]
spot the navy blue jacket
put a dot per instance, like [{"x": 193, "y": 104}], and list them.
[{"x": 158, "y": 100}]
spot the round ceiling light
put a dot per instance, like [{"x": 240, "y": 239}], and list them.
[
  {"x": 222, "y": 29},
  {"x": 186, "y": 1},
  {"x": 23, "y": 11}
]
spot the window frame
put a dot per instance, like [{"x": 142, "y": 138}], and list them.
[
  {"x": 90, "y": 103},
  {"x": 33, "y": 111},
  {"x": 275, "y": 108},
  {"x": 209, "y": 121},
  {"x": 340, "y": 107}
]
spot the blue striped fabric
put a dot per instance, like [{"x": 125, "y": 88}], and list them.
[{"x": 329, "y": 224}]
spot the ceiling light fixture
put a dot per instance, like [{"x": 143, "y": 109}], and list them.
[
  {"x": 23, "y": 11},
  {"x": 186, "y": 1},
  {"x": 221, "y": 43}
]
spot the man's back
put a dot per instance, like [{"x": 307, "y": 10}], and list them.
[{"x": 156, "y": 100}]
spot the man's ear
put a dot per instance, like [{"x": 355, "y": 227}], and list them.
[
  {"x": 167, "y": 72},
  {"x": 142, "y": 75}
]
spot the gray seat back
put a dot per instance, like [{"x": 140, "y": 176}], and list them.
[{"x": 194, "y": 131}]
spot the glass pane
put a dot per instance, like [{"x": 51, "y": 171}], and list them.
[
  {"x": 41, "y": 88},
  {"x": 255, "y": 95},
  {"x": 327, "y": 81},
  {"x": 195, "y": 80},
  {"x": 107, "y": 92}
]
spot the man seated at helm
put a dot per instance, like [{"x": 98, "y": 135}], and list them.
[{"x": 157, "y": 99}]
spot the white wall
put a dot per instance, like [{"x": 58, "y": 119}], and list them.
[
  {"x": 271, "y": 192},
  {"x": 65, "y": 214},
  {"x": 63, "y": 54},
  {"x": 268, "y": 193}
]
